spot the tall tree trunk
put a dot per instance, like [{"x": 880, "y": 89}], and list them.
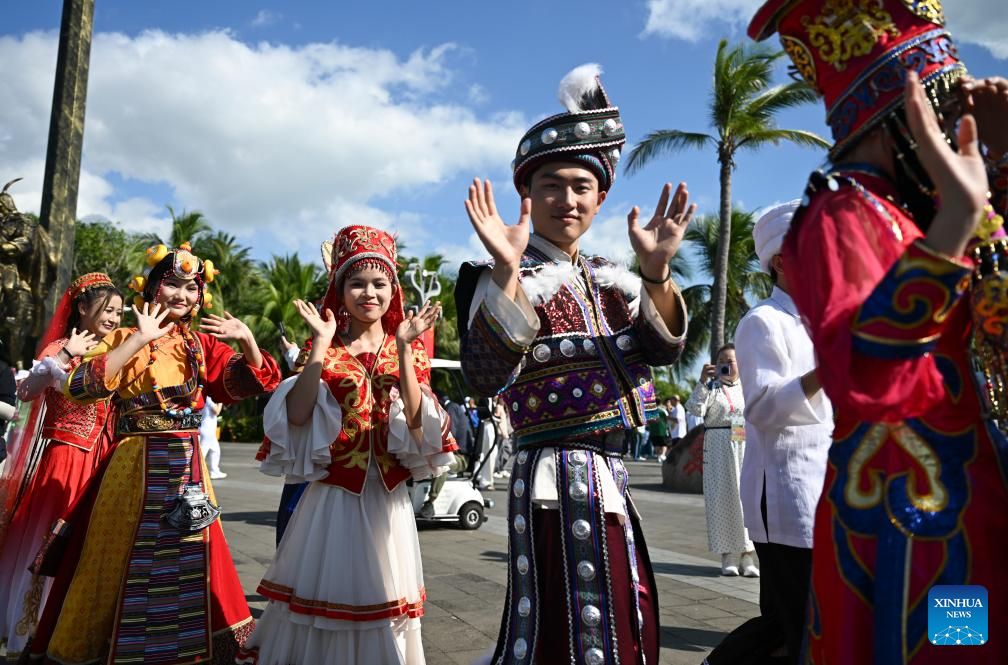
[{"x": 719, "y": 296}]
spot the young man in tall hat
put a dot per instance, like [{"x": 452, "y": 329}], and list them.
[
  {"x": 566, "y": 340},
  {"x": 898, "y": 248}
]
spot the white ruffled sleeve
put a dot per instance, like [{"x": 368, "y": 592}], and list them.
[
  {"x": 46, "y": 373},
  {"x": 300, "y": 452},
  {"x": 420, "y": 450}
]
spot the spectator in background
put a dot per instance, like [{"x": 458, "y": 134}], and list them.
[
  {"x": 461, "y": 426},
  {"x": 209, "y": 443},
  {"x": 472, "y": 413},
  {"x": 789, "y": 426},
  {"x": 502, "y": 423},
  {"x": 658, "y": 433},
  {"x": 676, "y": 420},
  {"x": 719, "y": 400}
]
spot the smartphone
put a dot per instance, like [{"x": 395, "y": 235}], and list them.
[{"x": 283, "y": 331}]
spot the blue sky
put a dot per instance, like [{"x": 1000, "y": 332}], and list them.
[{"x": 283, "y": 121}]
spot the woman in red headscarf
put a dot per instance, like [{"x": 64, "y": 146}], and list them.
[
  {"x": 346, "y": 583},
  {"x": 147, "y": 576},
  {"x": 55, "y": 453}
]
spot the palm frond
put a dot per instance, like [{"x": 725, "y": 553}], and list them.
[
  {"x": 663, "y": 142},
  {"x": 769, "y": 102},
  {"x": 758, "y": 139}
]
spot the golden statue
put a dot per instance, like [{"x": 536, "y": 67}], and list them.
[{"x": 24, "y": 261}]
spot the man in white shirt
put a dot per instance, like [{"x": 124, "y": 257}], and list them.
[
  {"x": 677, "y": 418},
  {"x": 789, "y": 423}
]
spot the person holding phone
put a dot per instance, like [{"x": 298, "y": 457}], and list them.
[{"x": 718, "y": 399}]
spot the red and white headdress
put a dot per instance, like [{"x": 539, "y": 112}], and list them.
[
  {"x": 857, "y": 53},
  {"x": 355, "y": 248},
  {"x": 64, "y": 310}
]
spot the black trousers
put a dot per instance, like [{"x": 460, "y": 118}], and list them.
[{"x": 785, "y": 573}]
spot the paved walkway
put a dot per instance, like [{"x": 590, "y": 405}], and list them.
[{"x": 466, "y": 575}]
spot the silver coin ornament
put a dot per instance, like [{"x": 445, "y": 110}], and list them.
[
  {"x": 581, "y": 529},
  {"x": 519, "y": 523}
]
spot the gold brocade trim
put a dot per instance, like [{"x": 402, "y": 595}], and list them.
[
  {"x": 847, "y": 29},
  {"x": 801, "y": 57},
  {"x": 31, "y": 605},
  {"x": 869, "y": 445},
  {"x": 929, "y": 10},
  {"x": 935, "y": 499},
  {"x": 889, "y": 341}
]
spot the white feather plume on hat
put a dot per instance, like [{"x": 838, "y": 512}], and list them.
[{"x": 581, "y": 89}]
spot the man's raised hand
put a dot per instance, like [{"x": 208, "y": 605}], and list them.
[{"x": 506, "y": 244}]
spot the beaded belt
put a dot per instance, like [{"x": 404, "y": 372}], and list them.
[
  {"x": 609, "y": 443},
  {"x": 148, "y": 423}
]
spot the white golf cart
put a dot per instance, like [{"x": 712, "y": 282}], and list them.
[{"x": 459, "y": 500}]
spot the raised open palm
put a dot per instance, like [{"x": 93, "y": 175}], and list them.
[
  {"x": 506, "y": 244},
  {"x": 80, "y": 342},
  {"x": 149, "y": 321},
  {"x": 322, "y": 329},
  {"x": 656, "y": 243},
  {"x": 226, "y": 328},
  {"x": 416, "y": 324}
]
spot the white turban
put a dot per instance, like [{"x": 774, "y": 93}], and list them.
[{"x": 770, "y": 229}]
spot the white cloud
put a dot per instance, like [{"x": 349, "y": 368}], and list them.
[
  {"x": 692, "y": 19},
  {"x": 478, "y": 94},
  {"x": 982, "y": 22},
  {"x": 265, "y": 17},
  {"x": 290, "y": 141}
]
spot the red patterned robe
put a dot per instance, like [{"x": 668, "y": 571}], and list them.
[
  {"x": 74, "y": 441},
  {"x": 915, "y": 489}
]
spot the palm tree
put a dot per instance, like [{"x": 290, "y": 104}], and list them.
[
  {"x": 284, "y": 279},
  {"x": 191, "y": 227},
  {"x": 742, "y": 109},
  {"x": 744, "y": 280},
  {"x": 238, "y": 279}
]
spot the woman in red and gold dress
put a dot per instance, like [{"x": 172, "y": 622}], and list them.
[
  {"x": 147, "y": 575},
  {"x": 346, "y": 583},
  {"x": 55, "y": 453}
]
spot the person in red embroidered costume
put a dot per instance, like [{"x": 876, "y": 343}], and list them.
[
  {"x": 146, "y": 575},
  {"x": 55, "y": 454},
  {"x": 899, "y": 248},
  {"x": 346, "y": 583}
]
